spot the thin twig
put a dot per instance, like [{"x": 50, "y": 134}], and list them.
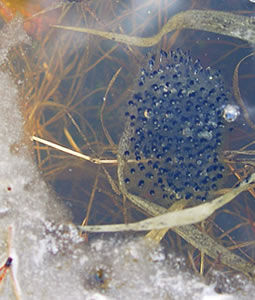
[
  {"x": 97, "y": 161},
  {"x": 103, "y": 106}
]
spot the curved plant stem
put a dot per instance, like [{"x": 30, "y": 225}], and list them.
[{"x": 224, "y": 23}]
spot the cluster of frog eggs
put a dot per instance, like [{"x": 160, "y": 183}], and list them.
[{"x": 174, "y": 130}]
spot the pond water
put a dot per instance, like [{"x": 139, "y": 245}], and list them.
[{"x": 76, "y": 88}]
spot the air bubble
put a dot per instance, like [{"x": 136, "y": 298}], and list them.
[{"x": 231, "y": 112}]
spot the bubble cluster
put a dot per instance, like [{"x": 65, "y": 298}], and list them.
[{"x": 174, "y": 131}]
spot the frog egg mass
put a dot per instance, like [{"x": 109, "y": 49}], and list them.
[{"x": 176, "y": 121}]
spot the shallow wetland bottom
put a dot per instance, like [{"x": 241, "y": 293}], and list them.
[{"x": 76, "y": 88}]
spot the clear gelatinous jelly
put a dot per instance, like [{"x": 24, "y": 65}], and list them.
[{"x": 174, "y": 131}]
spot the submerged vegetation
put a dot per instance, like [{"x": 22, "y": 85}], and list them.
[{"x": 74, "y": 89}]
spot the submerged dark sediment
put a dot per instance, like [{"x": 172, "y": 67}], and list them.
[{"x": 174, "y": 130}]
